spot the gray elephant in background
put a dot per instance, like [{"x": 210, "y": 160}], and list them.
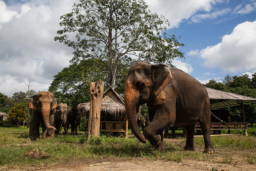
[{"x": 60, "y": 117}]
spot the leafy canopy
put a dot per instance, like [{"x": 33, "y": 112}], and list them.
[
  {"x": 116, "y": 30},
  {"x": 71, "y": 85}
]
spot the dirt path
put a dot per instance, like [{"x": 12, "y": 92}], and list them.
[
  {"x": 139, "y": 164},
  {"x": 112, "y": 164}
]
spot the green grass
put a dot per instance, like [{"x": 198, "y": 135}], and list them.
[{"x": 14, "y": 143}]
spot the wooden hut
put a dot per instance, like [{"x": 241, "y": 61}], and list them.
[
  {"x": 221, "y": 99},
  {"x": 113, "y": 113}
]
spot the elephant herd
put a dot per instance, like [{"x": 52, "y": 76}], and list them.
[
  {"x": 173, "y": 97},
  {"x": 45, "y": 111}
]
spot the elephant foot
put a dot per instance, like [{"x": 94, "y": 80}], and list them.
[
  {"x": 209, "y": 151},
  {"x": 32, "y": 138},
  {"x": 160, "y": 146},
  {"x": 189, "y": 148}
]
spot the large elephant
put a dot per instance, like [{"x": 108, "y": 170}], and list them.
[
  {"x": 41, "y": 109},
  {"x": 60, "y": 117},
  {"x": 74, "y": 120},
  {"x": 173, "y": 98}
]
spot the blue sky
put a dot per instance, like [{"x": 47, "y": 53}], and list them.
[
  {"x": 209, "y": 32},
  {"x": 219, "y": 38}
]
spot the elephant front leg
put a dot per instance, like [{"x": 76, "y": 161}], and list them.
[
  {"x": 190, "y": 137},
  {"x": 154, "y": 131},
  {"x": 34, "y": 126}
]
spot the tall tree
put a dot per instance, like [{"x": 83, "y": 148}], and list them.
[
  {"x": 71, "y": 85},
  {"x": 227, "y": 80},
  {"x": 3, "y": 100},
  {"x": 115, "y": 30},
  {"x": 19, "y": 97},
  {"x": 241, "y": 81}
]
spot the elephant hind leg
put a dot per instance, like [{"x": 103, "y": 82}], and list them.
[{"x": 205, "y": 121}]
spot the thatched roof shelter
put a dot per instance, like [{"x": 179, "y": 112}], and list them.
[
  {"x": 112, "y": 106},
  {"x": 220, "y": 99},
  {"x": 3, "y": 115}
]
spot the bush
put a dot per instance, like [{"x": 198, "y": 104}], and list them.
[{"x": 17, "y": 114}]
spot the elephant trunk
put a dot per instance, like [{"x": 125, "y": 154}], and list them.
[
  {"x": 45, "y": 115},
  {"x": 132, "y": 105}
]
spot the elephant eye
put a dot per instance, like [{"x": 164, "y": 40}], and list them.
[{"x": 139, "y": 84}]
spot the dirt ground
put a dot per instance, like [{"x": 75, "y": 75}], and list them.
[
  {"x": 222, "y": 160},
  {"x": 114, "y": 164}
]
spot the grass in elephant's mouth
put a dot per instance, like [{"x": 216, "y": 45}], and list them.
[{"x": 14, "y": 143}]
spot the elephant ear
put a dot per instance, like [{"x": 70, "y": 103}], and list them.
[
  {"x": 161, "y": 76},
  {"x": 54, "y": 103},
  {"x": 32, "y": 103}
]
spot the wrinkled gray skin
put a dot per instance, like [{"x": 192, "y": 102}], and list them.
[
  {"x": 60, "y": 118},
  {"x": 41, "y": 110},
  {"x": 173, "y": 98}
]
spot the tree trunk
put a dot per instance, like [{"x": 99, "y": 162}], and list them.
[
  {"x": 112, "y": 76},
  {"x": 96, "y": 94}
]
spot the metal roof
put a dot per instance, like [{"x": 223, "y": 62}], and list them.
[{"x": 220, "y": 99}]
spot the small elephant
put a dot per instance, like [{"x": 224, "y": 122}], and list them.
[
  {"x": 74, "y": 120},
  {"x": 173, "y": 98},
  {"x": 60, "y": 117},
  {"x": 41, "y": 110}
]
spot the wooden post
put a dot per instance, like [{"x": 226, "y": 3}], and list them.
[
  {"x": 126, "y": 128},
  {"x": 245, "y": 130},
  {"x": 96, "y": 93}
]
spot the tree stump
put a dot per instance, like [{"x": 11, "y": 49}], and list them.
[{"x": 96, "y": 94}]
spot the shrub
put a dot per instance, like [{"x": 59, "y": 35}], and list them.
[{"x": 17, "y": 114}]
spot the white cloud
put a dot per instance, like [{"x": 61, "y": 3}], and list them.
[
  {"x": 237, "y": 8},
  {"x": 198, "y": 18},
  {"x": 247, "y": 9},
  {"x": 236, "y": 52},
  {"x": 5, "y": 14},
  {"x": 182, "y": 66},
  {"x": 28, "y": 51},
  {"x": 204, "y": 81},
  {"x": 194, "y": 52},
  {"x": 177, "y": 11},
  {"x": 248, "y": 73}
]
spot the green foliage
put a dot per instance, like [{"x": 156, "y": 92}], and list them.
[
  {"x": 216, "y": 85},
  {"x": 6, "y": 103},
  {"x": 20, "y": 97},
  {"x": 114, "y": 30},
  {"x": 3, "y": 100},
  {"x": 241, "y": 81},
  {"x": 144, "y": 110},
  {"x": 17, "y": 114},
  {"x": 71, "y": 85},
  {"x": 83, "y": 124}
]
